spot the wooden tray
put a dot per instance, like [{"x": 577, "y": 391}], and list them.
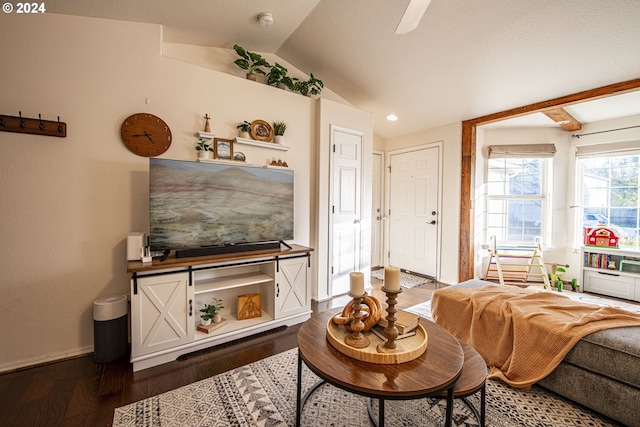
[{"x": 407, "y": 348}]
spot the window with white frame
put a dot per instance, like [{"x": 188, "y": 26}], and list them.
[
  {"x": 610, "y": 194},
  {"x": 518, "y": 202}
]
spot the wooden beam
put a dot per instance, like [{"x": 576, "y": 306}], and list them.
[
  {"x": 467, "y": 185},
  {"x": 563, "y": 119}
]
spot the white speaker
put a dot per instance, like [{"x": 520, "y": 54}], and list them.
[{"x": 135, "y": 243}]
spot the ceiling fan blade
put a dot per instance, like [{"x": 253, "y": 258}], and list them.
[{"x": 412, "y": 16}]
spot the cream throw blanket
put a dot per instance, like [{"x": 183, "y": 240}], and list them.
[{"x": 523, "y": 335}]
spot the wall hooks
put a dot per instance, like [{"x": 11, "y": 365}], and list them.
[{"x": 37, "y": 126}]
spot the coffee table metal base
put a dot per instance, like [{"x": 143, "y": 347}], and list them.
[{"x": 301, "y": 400}]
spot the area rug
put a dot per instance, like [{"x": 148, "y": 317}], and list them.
[
  {"x": 407, "y": 280},
  {"x": 263, "y": 394}
]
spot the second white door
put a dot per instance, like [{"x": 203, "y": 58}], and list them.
[{"x": 413, "y": 210}]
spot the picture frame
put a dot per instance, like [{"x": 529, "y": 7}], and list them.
[{"x": 223, "y": 148}]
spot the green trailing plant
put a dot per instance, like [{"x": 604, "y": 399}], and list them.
[
  {"x": 279, "y": 127},
  {"x": 278, "y": 75},
  {"x": 203, "y": 146},
  {"x": 313, "y": 86},
  {"x": 251, "y": 62},
  {"x": 210, "y": 310},
  {"x": 244, "y": 126}
]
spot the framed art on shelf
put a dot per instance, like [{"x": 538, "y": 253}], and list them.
[{"x": 223, "y": 148}]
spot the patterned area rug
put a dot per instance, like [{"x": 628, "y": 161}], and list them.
[
  {"x": 264, "y": 394},
  {"x": 407, "y": 280}
]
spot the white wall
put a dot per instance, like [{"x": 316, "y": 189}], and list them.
[
  {"x": 67, "y": 204},
  {"x": 450, "y": 135}
]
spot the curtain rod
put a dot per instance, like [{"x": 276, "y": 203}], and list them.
[{"x": 603, "y": 131}]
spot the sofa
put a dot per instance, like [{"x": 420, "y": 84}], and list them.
[{"x": 601, "y": 372}]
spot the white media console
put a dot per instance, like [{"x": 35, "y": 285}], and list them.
[{"x": 166, "y": 298}]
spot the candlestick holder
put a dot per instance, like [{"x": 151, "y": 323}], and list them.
[
  {"x": 390, "y": 332},
  {"x": 356, "y": 338}
]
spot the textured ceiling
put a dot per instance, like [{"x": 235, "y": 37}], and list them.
[{"x": 467, "y": 58}]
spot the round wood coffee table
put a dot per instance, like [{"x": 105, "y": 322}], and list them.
[{"x": 435, "y": 371}]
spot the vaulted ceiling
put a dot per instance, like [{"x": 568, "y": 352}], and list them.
[{"x": 466, "y": 58}]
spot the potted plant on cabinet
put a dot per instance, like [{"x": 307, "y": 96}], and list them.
[
  {"x": 212, "y": 312},
  {"x": 250, "y": 62},
  {"x": 277, "y": 77},
  {"x": 204, "y": 149},
  {"x": 245, "y": 129},
  {"x": 278, "y": 128}
]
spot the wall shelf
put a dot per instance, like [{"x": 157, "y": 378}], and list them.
[
  {"x": 255, "y": 143},
  {"x": 245, "y": 141},
  {"x": 206, "y": 135}
]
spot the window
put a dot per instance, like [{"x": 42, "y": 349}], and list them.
[
  {"x": 517, "y": 199},
  {"x": 610, "y": 196}
]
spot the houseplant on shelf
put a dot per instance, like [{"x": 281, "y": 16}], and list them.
[
  {"x": 312, "y": 86},
  {"x": 212, "y": 312},
  {"x": 277, "y": 77},
  {"x": 245, "y": 129},
  {"x": 250, "y": 62},
  {"x": 204, "y": 150},
  {"x": 278, "y": 128}
]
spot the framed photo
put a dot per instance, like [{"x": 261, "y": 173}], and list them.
[{"x": 223, "y": 148}]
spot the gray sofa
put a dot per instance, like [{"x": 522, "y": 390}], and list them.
[{"x": 601, "y": 372}]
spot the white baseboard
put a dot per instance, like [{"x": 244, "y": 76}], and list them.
[{"x": 8, "y": 367}]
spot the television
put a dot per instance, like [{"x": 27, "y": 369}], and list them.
[{"x": 201, "y": 208}]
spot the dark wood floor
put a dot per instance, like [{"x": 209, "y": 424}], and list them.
[{"x": 80, "y": 392}]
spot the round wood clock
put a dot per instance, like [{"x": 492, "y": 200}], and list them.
[{"x": 145, "y": 134}]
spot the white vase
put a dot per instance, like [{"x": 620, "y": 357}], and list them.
[
  {"x": 206, "y": 322},
  {"x": 245, "y": 135},
  {"x": 280, "y": 139},
  {"x": 217, "y": 318},
  {"x": 204, "y": 154}
]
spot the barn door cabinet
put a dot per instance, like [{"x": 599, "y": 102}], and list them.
[{"x": 166, "y": 298}]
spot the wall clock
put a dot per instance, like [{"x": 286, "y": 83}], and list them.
[{"x": 145, "y": 134}]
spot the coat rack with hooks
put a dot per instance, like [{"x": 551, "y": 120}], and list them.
[{"x": 34, "y": 126}]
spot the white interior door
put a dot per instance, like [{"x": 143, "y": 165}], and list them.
[
  {"x": 413, "y": 210},
  {"x": 345, "y": 207},
  {"x": 377, "y": 178}
]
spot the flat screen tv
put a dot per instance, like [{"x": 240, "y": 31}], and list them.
[{"x": 196, "y": 205}]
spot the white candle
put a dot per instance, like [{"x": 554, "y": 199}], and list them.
[
  {"x": 392, "y": 278},
  {"x": 356, "y": 283}
]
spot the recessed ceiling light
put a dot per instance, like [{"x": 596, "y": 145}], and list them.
[
  {"x": 563, "y": 122},
  {"x": 392, "y": 117}
]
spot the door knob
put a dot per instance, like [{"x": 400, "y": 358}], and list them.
[
  {"x": 356, "y": 221},
  {"x": 432, "y": 222}
]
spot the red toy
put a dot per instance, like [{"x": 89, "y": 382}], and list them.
[{"x": 600, "y": 236}]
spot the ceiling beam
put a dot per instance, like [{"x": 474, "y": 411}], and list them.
[{"x": 563, "y": 118}]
